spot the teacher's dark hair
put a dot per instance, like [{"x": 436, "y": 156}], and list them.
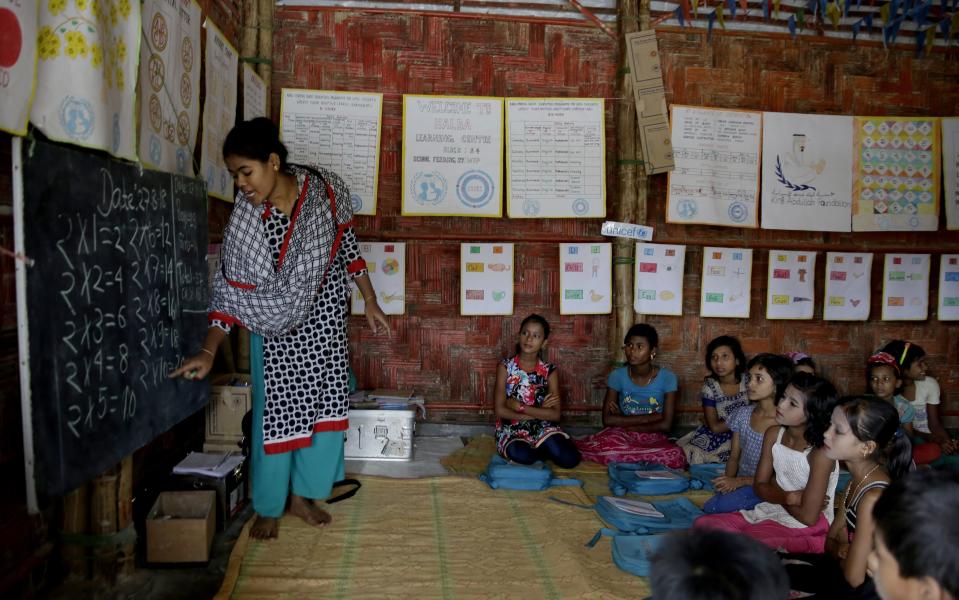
[{"x": 256, "y": 139}]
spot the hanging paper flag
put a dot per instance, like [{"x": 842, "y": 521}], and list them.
[
  {"x": 695, "y": 8},
  {"x": 954, "y": 26},
  {"x": 920, "y": 13},
  {"x": 800, "y": 18},
  {"x": 679, "y": 16},
  {"x": 920, "y": 42},
  {"x": 894, "y": 8},
  {"x": 721, "y": 17},
  {"x": 765, "y": 10},
  {"x": 855, "y": 29},
  {"x": 884, "y": 13},
  {"x": 792, "y": 26},
  {"x": 892, "y": 32},
  {"x": 832, "y": 11},
  {"x": 709, "y": 25},
  {"x": 823, "y": 7},
  {"x": 732, "y": 7},
  {"x": 776, "y": 8},
  {"x": 868, "y": 21},
  {"x": 845, "y": 8},
  {"x": 930, "y": 38}
]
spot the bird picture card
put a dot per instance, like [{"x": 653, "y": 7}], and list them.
[
  {"x": 895, "y": 174},
  {"x": 790, "y": 291},
  {"x": 386, "y": 265},
  {"x": 658, "y": 280},
  {"x": 807, "y": 172},
  {"x": 486, "y": 279},
  {"x": 585, "y": 279},
  {"x": 905, "y": 287},
  {"x": 848, "y": 286},
  {"x": 727, "y": 282},
  {"x": 949, "y": 287},
  {"x": 950, "y": 169}
]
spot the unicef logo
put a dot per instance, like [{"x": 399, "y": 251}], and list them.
[
  {"x": 738, "y": 212},
  {"x": 428, "y": 189},
  {"x": 155, "y": 150},
  {"x": 687, "y": 209},
  {"x": 356, "y": 202},
  {"x": 580, "y": 206},
  {"x": 474, "y": 188},
  {"x": 531, "y": 208},
  {"x": 77, "y": 118},
  {"x": 181, "y": 161}
]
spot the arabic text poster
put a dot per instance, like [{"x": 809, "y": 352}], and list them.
[
  {"x": 585, "y": 279},
  {"x": 386, "y": 264},
  {"x": 905, "y": 287},
  {"x": 452, "y": 156},
  {"x": 895, "y": 174},
  {"x": 486, "y": 279},
  {"x": 848, "y": 286},
  {"x": 658, "y": 279},
  {"x": 950, "y": 169},
  {"x": 949, "y": 287},
  {"x": 790, "y": 290},
  {"x": 716, "y": 178},
  {"x": 807, "y": 172},
  {"x": 555, "y": 152},
  {"x": 727, "y": 282}
]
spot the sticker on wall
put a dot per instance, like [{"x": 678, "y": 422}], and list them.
[
  {"x": 486, "y": 279},
  {"x": 905, "y": 287},
  {"x": 949, "y": 287},
  {"x": 848, "y": 286},
  {"x": 585, "y": 279},
  {"x": 790, "y": 290},
  {"x": 18, "y": 64},
  {"x": 386, "y": 264},
  {"x": 727, "y": 282},
  {"x": 658, "y": 279}
]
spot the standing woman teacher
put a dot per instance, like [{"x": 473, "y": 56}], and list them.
[{"x": 288, "y": 251}]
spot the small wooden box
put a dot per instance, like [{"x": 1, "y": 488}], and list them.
[{"x": 180, "y": 527}]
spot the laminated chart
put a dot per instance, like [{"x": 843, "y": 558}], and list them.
[
  {"x": 716, "y": 178},
  {"x": 219, "y": 111},
  {"x": 895, "y": 174},
  {"x": 848, "y": 286},
  {"x": 807, "y": 172},
  {"x": 339, "y": 131},
  {"x": 386, "y": 264},
  {"x": 727, "y": 282},
  {"x": 486, "y": 279},
  {"x": 555, "y": 156},
  {"x": 452, "y": 156},
  {"x": 905, "y": 287},
  {"x": 790, "y": 291},
  {"x": 950, "y": 169},
  {"x": 658, "y": 279},
  {"x": 18, "y": 64},
  {"x": 169, "y": 85},
  {"x": 585, "y": 279},
  {"x": 254, "y": 94},
  {"x": 949, "y": 287}
]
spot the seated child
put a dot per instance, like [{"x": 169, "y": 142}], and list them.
[
  {"x": 638, "y": 410},
  {"x": 716, "y": 565},
  {"x": 724, "y": 390},
  {"x": 916, "y": 541},
  {"x": 795, "y": 478},
  {"x": 767, "y": 377},
  {"x": 527, "y": 403},
  {"x": 802, "y": 362}
]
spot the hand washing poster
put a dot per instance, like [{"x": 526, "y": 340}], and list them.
[
  {"x": 807, "y": 172},
  {"x": 585, "y": 279},
  {"x": 452, "y": 156},
  {"x": 905, "y": 287},
  {"x": 949, "y": 287},
  {"x": 486, "y": 279},
  {"x": 790, "y": 290},
  {"x": 848, "y": 286},
  {"x": 386, "y": 264},
  {"x": 727, "y": 282},
  {"x": 658, "y": 279}
]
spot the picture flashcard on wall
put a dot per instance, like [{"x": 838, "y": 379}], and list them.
[
  {"x": 452, "y": 156},
  {"x": 807, "y": 172},
  {"x": 727, "y": 282},
  {"x": 219, "y": 111},
  {"x": 658, "y": 279},
  {"x": 950, "y": 169},
  {"x": 18, "y": 29},
  {"x": 848, "y": 286},
  {"x": 905, "y": 287},
  {"x": 716, "y": 178},
  {"x": 339, "y": 131},
  {"x": 386, "y": 265},
  {"x": 790, "y": 290},
  {"x": 486, "y": 279},
  {"x": 895, "y": 174},
  {"x": 949, "y": 287},
  {"x": 555, "y": 156},
  {"x": 585, "y": 279}
]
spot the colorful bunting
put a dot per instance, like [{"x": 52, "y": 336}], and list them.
[
  {"x": 920, "y": 42},
  {"x": 765, "y": 10},
  {"x": 732, "y": 7},
  {"x": 776, "y": 8},
  {"x": 855, "y": 29},
  {"x": 679, "y": 16},
  {"x": 930, "y": 39},
  {"x": 720, "y": 16},
  {"x": 792, "y": 25},
  {"x": 709, "y": 25},
  {"x": 800, "y": 17},
  {"x": 884, "y": 13},
  {"x": 834, "y": 14}
]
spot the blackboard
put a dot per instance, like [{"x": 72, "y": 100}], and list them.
[{"x": 116, "y": 296}]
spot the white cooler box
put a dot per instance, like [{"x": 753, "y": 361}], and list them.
[{"x": 380, "y": 434}]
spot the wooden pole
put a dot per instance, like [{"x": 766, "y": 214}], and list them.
[
  {"x": 103, "y": 521},
  {"x": 126, "y": 552},
  {"x": 76, "y": 522},
  {"x": 265, "y": 47}
]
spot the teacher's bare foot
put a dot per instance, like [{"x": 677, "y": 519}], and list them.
[
  {"x": 307, "y": 510},
  {"x": 264, "y": 528}
]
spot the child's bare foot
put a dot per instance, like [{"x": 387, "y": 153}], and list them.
[
  {"x": 264, "y": 528},
  {"x": 307, "y": 510}
]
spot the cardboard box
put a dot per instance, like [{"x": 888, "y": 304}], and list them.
[
  {"x": 180, "y": 527},
  {"x": 380, "y": 434},
  {"x": 228, "y": 404},
  {"x": 649, "y": 93},
  {"x": 230, "y": 491}
]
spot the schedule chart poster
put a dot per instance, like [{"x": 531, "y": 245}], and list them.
[
  {"x": 905, "y": 287},
  {"x": 254, "y": 94},
  {"x": 716, "y": 179},
  {"x": 386, "y": 264},
  {"x": 659, "y": 279},
  {"x": 486, "y": 279},
  {"x": 339, "y": 131},
  {"x": 585, "y": 279},
  {"x": 848, "y": 286},
  {"x": 555, "y": 152},
  {"x": 790, "y": 290},
  {"x": 452, "y": 156},
  {"x": 727, "y": 282},
  {"x": 219, "y": 111},
  {"x": 949, "y": 288}
]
